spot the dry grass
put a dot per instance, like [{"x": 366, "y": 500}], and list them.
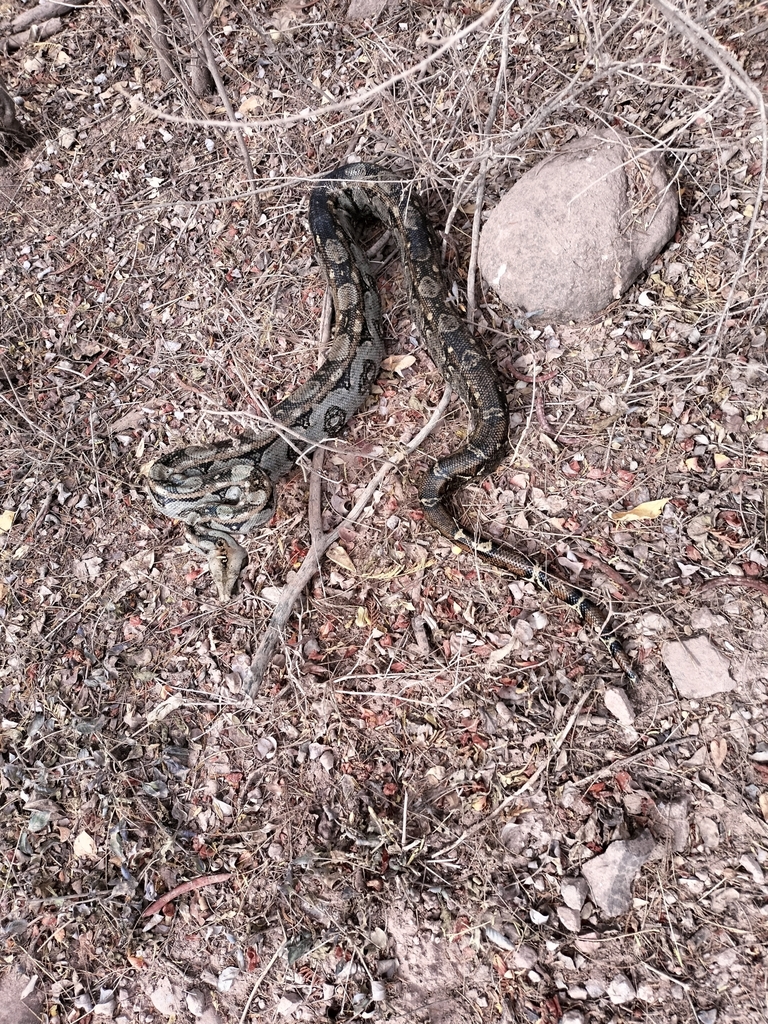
[{"x": 398, "y": 787}]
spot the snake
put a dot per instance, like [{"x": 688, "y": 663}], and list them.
[{"x": 228, "y": 487}]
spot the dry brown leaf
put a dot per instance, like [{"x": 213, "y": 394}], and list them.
[
  {"x": 250, "y": 103},
  {"x": 84, "y": 846},
  {"x": 398, "y": 363},
  {"x": 648, "y": 510},
  {"x": 718, "y": 750},
  {"x": 6, "y": 520},
  {"x": 339, "y": 556}
]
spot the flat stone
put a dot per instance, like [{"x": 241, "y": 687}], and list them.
[
  {"x": 21, "y": 998},
  {"x": 572, "y": 1017},
  {"x": 576, "y": 230},
  {"x": 595, "y": 987},
  {"x": 360, "y": 10},
  {"x": 166, "y": 998},
  {"x": 610, "y": 875},
  {"x": 569, "y": 919},
  {"x": 697, "y": 668},
  {"x": 646, "y": 992},
  {"x": 618, "y": 703},
  {"x": 574, "y": 892},
  {"x": 621, "y": 990}
]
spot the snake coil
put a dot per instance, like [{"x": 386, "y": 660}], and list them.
[{"x": 226, "y": 488}]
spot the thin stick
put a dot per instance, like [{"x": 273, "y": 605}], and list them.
[
  {"x": 761, "y": 586},
  {"x": 331, "y": 108},
  {"x": 706, "y": 44},
  {"x": 193, "y": 13},
  {"x": 554, "y": 749},
  {"x": 480, "y": 196},
  {"x": 179, "y": 890},
  {"x": 293, "y": 589},
  {"x": 159, "y": 36},
  {"x": 257, "y": 983}
]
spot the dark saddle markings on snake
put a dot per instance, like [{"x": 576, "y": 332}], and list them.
[{"x": 226, "y": 488}]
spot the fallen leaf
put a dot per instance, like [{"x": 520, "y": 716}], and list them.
[
  {"x": 339, "y": 556},
  {"x": 162, "y": 710},
  {"x": 84, "y": 846},
  {"x": 718, "y": 750},
  {"x": 648, "y": 510},
  {"x": 398, "y": 363},
  {"x": 6, "y": 520},
  {"x": 250, "y": 103}
]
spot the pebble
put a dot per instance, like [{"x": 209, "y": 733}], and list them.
[
  {"x": 196, "y": 1002},
  {"x": 574, "y": 892},
  {"x": 569, "y": 919},
  {"x": 525, "y": 958},
  {"x": 621, "y": 990},
  {"x": 646, "y": 992},
  {"x": 572, "y": 1017}
]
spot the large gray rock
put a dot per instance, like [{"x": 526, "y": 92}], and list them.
[{"x": 576, "y": 230}]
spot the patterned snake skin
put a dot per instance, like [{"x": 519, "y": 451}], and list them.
[{"x": 227, "y": 487}]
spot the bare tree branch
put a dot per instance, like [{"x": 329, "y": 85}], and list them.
[{"x": 158, "y": 33}]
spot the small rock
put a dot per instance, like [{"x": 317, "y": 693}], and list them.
[
  {"x": 360, "y": 10},
  {"x": 574, "y": 892},
  {"x": 646, "y": 992},
  {"x": 708, "y": 1016},
  {"x": 697, "y": 668},
  {"x": 525, "y": 958},
  {"x": 709, "y": 832},
  {"x": 289, "y": 1003},
  {"x": 727, "y": 958},
  {"x": 675, "y": 819},
  {"x": 577, "y": 992},
  {"x": 748, "y": 862},
  {"x": 610, "y": 874},
  {"x": 572, "y": 1017},
  {"x": 569, "y": 918},
  {"x": 621, "y": 990},
  {"x": 227, "y": 978},
  {"x": 595, "y": 987},
  {"x": 618, "y": 704},
  {"x": 196, "y": 1002}
]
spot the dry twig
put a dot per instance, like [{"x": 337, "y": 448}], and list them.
[
  {"x": 294, "y": 589},
  {"x": 730, "y": 67},
  {"x": 331, "y": 108},
  {"x": 179, "y": 890}
]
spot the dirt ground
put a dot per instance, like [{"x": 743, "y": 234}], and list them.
[{"x": 399, "y": 824}]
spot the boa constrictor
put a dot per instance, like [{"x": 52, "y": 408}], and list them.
[{"x": 226, "y": 488}]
